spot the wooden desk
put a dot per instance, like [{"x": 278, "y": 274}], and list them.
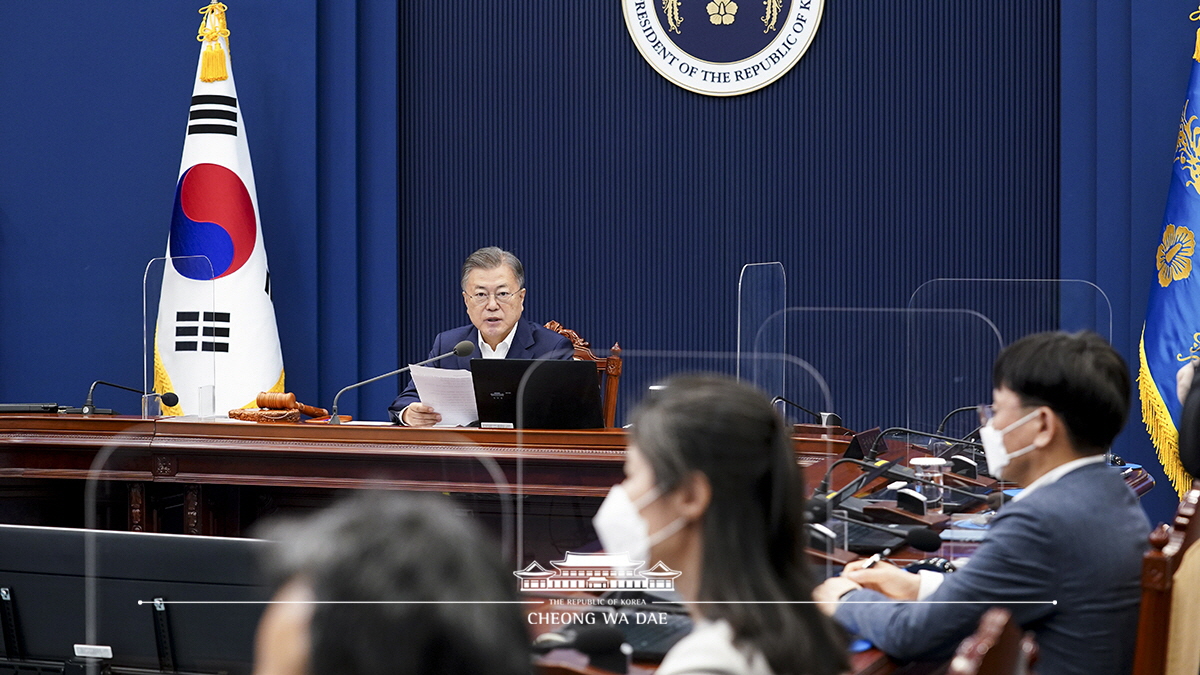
[{"x": 219, "y": 477}]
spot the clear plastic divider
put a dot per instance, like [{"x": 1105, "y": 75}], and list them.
[
  {"x": 915, "y": 375},
  {"x": 209, "y": 592},
  {"x": 762, "y": 294},
  {"x": 814, "y": 447},
  {"x": 887, "y": 367},
  {"x": 178, "y": 329},
  {"x": 1019, "y": 307}
]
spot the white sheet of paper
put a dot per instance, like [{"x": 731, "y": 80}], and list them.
[{"x": 449, "y": 392}]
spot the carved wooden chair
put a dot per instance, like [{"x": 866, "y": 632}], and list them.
[
  {"x": 609, "y": 368},
  {"x": 1170, "y": 611},
  {"x": 998, "y": 647}
]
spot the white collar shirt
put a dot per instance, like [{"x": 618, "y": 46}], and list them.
[{"x": 501, "y": 350}]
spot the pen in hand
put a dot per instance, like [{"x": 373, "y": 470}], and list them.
[{"x": 875, "y": 558}]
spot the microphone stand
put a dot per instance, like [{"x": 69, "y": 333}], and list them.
[
  {"x": 464, "y": 348},
  {"x": 871, "y": 454}
]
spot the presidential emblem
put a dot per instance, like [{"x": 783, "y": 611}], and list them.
[{"x": 722, "y": 47}]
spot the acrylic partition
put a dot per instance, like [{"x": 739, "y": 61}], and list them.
[
  {"x": 660, "y": 370},
  {"x": 1016, "y": 308},
  {"x": 178, "y": 335},
  {"x": 1019, "y": 307},
  {"x": 913, "y": 374},
  {"x": 886, "y": 367},
  {"x": 761, "y": 295},
  {"x": 127, "y": 594}
]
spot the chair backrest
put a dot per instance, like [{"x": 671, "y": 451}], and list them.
[
  {"x": 609, "y": 368},
  {"x": 998, "y": 647},
  {"x": 1170, "y": 607}
]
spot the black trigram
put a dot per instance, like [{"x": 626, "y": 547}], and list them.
[
  {"x": 212, "y": 114},
  {"x": 188, "y": 324}
]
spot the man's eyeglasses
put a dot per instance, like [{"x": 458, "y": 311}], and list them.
[{"x": 503, "y": 297}]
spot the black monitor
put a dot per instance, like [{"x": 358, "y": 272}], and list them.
[
  {"x": 42, "y": 599},
  {"x": 557, "y": 394}
]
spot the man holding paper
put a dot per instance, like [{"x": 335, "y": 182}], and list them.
[{"x": 493, "y": 290}]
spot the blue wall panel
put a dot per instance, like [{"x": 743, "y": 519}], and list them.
[
  {"x": 92, "y": 126},
  {"x": 93, "y": 131}
]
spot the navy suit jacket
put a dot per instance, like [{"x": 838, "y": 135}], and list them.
[
  {"x": 1078, "y": 541},
  {"x": 530, "y": 341}
]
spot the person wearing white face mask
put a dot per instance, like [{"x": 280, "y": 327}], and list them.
[
  {"x": 1064, "y": 556},
  {"x": 713, "y": 491}
]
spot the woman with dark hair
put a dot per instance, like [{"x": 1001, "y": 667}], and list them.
[{"x": 713, "y": 491}]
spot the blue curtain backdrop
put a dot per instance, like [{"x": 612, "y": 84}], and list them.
[
  {"x": 1125, "y": 71},
  {"x": 915, "y": 140}
]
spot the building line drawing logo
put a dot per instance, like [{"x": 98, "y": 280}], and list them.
[{"x": 597, "y": 571}]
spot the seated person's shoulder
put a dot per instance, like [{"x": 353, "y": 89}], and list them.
[
  {"x": 1093, "y": 498},
  {"x": 1092, "y": 489},
  {"x": 556, "y": 342},
  {"x": 454, "y": 335}
]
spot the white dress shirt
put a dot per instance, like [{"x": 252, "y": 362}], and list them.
[{"x": 501, "y": 349}]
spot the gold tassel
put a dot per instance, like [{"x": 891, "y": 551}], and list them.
[
  {"x": 212, "y": 59},
  {"x": 212, "y": 67},
  {"x": 1196, "y": 52},
  {"x": 1159, "y": 425}
]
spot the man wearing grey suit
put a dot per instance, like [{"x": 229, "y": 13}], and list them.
[{"x": 1064, "y": 556}]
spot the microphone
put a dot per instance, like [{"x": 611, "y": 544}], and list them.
[
  {"x": 872, "y": 454},
  {"x": 920, "y": 538},
  {"x": 904, "y": 473},
  {"x": 822, "y": 502},
  {"x": 825, "y": 419},
  {"x": 952, "y": 413},
  {"x": 923, "y": 539},
  {"x": 169, "y": 398},
  {"x": 464, "y": 348},
  {"x": 823, "y": 486}
]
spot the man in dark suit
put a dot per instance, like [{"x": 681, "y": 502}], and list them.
[
  {"x": 493, "y": 289},
  {"x": 1064, "y": 556}
]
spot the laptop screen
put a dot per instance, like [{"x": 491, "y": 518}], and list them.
[{"x": 537, "y": 394}]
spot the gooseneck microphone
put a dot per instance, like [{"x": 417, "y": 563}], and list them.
[
  {"x": 898, "y": 472},
  {"x": 952, "y": 413},
  {"x": 825, "y": 419},
  {"x": 462, "y": 349},
  {"x": 872, "y": 454},
  {"x": 923, "y": 539},
  {"x": 823, "y": 486},
  {"x": 169, "y": 398}
]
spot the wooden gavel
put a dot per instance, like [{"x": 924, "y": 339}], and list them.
[{"x": 287, "y": 401}]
